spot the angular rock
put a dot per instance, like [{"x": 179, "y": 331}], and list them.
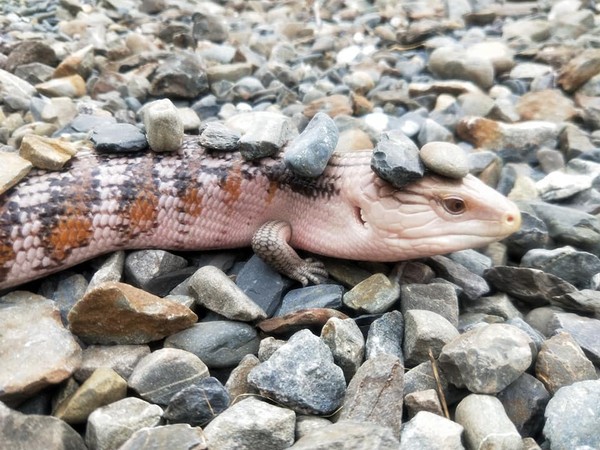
[
  {"x": 262, "y": 284},
  {"x": 299, "y": 320},
  {"x": 347, "y": 344},
  {"x": 495, "y": 305},
  {"x": 214, "y": 290},
  {"x": 385, "y": 336},
  {"x": 503, "y": 354},
  {"x": 105, "y": 386},
  {"x": 566, "y": 430},
  {"x": 396, "y": 159},
  {"x": 427, "y": 400},
  {"x": 121, "y": 358},
  {"x": 548, "y": 105},
  {"x": 46, "y": 153},
  {"x": 445, "y": 159},
  {"x": 70, "y": 86},
  {"x": 164, "y": 127},
  {"x": 263, "y": 133},
  {"x": 318, "y": 296},
  {"x": 440, "y": 298},
  {"x": 585, "y": 300},
  {"x": 219, "y": 344},
  {"x": 473, "y": 285},
  {"x": 308, "y": 154},
  {"x": 425, "y": 331},
  {"x": 374, "y": 295},
  {"x": 252, "y": 423},
  {"x": 306, "y": 424},
  {"x": 430, "y": 431},
  {"x": 585, "y": 331},
  {"x": 33, "y": 357},
  {"x": 561, "y": 362},
  {"x": 117, "y": 313},
  {"x": 110, "y": 426},
  {"x": 348, "y": 436},
  {"x": 163, "y": 373},
  {"x": 173, "y": 437},
  {"x": 14, "y": 169},
  {"x": 199, "y": 403},
  {"x": 216, "y": 136},
  {"x": 486, "y": 423},
  {"x": 302, "y": 376},
  {"x": 375, "y": 393},
  {"x": 560, "y": 186},
  {"x": 143, "y": 266},
  {"x": 118, "y": 138},
  {"x": 579, "y": 70},
  {"x": 110, "y": 270},
  {"x": 237, "y": 384},
  {"x": 179, "y": 77},
  {"x": 21, "y": 431}
]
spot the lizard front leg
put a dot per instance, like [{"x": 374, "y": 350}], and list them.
[{"x": 271, "y": 243}]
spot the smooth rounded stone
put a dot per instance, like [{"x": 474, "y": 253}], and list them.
[
  {"x": 117, "y": 313},
  {"x": 548, "y": 104},
  {"x": 217, "y": 136},
  {"x": 512, "y": 141},
  {"x": 268, "y": 346},
  {"x": 71, "y": 86},
  {"x": 532, "y": 286},
  {"x": 142, "y": 266},
  {"x": 486, "y": 424},
  {"x": 49, "y": 350},
  {"x": 262, "y": 284},
  {"x": 440, "y": 298},
  {"x": 473, "y": 286},
  {"x": 252, "y": 423},
  {"x": 353, "y": 139},
  {"x": 585, "y": 331},
  {"x": 348, "y": 435},
  {"x": 410, "y": 123},
  {"x": 214, "y": 290},
  {"x": 332, "y": 105},
  {"x": 579, "y": 70},
  {"x": 112, "y": 425},
  {"x": 572, "y": 417},
  {"x": 308, "y": 154},
  {"x": 120, "y": 358},
  {"x": 219, "y": 344},
  {"x": 396, "y": 159},
  {"x": 427, "y": 400},
  {"x": 385, "y": 336},
  {"x": 524, "y": 401},
  {"x": 536, "y": 337},
  {"x": 198, "y": 404},
  {"x": 476, "y": 104},
  {"x": 571, "y": 265},
  {"x": 306, "y": 424},
  {"x": 424, "y": 332},
  {"x": 585, "y": 300},
  {"x": 313, "y": 318},
  {"x": 164, "y": 127},
  {"x": 105, "y": 386},
  {"x": 457, "y": 63},
  {"x": 31, "y": 431},
  {"x": 445, "y": 159},
  {"x": 567, "y": 226},
  {"x": 496, "y": 305},
  {"x": 230, "y": 72},
  {"x": 237, "y": 384},
  {"x": 560, "y": 186},
  {"x": 118, "y": 138},
  {"x": 430, "y": 431},
  {"x": 165, "y": 372},
  {"x": 263, "y": 133},
  {"x": 318, "y": 296},
  {"x": 173, "y": 437},
  {"x": 14, "y": 170},
  {"x": 374, "y": 295},
  {"x": 473, "y": 260},
  {"x": 179, "y": 76},
  {"x": 302, "y": 376},
  {"x": 375, "y": 394},
  {"x": 347, "y": 344},
  {"x": 503, "y": 354},
  {"x": 497, "y": 52},
  {"x": 431, "y": 131},
  {"x": 111, "y": 269},
  {"x": 537, "y": 30},
  {"x": 561, "y": 362},
  {"x": 46, "y": 153}
]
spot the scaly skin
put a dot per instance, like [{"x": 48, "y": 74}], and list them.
[{"x": 196, "y": 200}]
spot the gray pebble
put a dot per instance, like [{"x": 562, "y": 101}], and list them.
[
  {"x": 121, "y": 358},
  {"x": 198, "y": 404},
  {"x": 374, "y": 295},
  {"x": 585, "y": 331},
  {"x": 318, "y": 296},
  {"x": 385, "y": 336},
  {"x": 473, "y": 286},
  {"x": 118, "y": 138},
  {"x": 432, "y": 132},
  {"x": 427, "y": 430},
  {"x": 348, "y": 436},
  {"x": 440, "y": 298},
  {"x": 262, "y": 284},
  {"x": 425, "y": 331},
  {"x": 346, "y": 342},
  {"x": 142, "y": 266},
  {"x": 445, "y": 159},
  {"x": 173, "y": 437},
  {"x": 396, "y": 159},
  {"x": 216, "y": 136}
]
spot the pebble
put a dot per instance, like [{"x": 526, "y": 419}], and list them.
[
  {"x": 445, "y": 159},
  {"x": 143, "y": 266},
  {"x": 118, "y": 138},
  {"x": 427, "y": 430},
  {"x": 348, "y": 436},
  {"x": 198, "y": 403},
  {"x": 385, "y": 336},
  {"x": 263, "y": 133},
  {"x": 46, "y": 153},
  {"x": 473, "y": 286},
  {"x": 584, "y": 330},
  {"x": 318, "y": 296},
  {"x": 164, "y": 127},
  {"x": 396, "y": 159},
  {"x": 120, "y": 358},
  {"x": 457, "y": 63},
  {"x": 216, "y": 136},
  {"x": 71, "y": 86},
  {"x": 440, "y": 298},
  {"x": 425, "y": 332},
  {"x": 14, "y": 170},
  {"x": 426, "y": 400},
  {"x": 374, "y": 295},
  {"x": 347, "y": 344},
  {"x": 174, "y": 437}
]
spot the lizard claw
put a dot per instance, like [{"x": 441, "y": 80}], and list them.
[{"x": 309, "y": 271}]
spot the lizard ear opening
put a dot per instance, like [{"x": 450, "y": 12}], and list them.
[{"x": 359, "y": 216}]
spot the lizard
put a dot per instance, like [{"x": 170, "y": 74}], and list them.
[{"x": 196, "y": 199}]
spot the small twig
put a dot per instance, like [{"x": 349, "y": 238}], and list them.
[{"x": 438, "y": 382}]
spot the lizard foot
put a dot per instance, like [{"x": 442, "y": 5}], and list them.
[{"x": 308, "y": 271}]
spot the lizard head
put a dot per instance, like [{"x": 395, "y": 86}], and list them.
[{"x": 434, "y": 215}]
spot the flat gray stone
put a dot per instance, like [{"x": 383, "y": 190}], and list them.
[
  {"x": 318, "y": 296},
  {"x": 173, "y": 437},
  {"x": 425, "y": 331},
  {"x": 430, "y": 431},
  {"x": 348, "y": 436},
  {"x": 440, "y": 298},
  {"x": 217, "y": 136}
]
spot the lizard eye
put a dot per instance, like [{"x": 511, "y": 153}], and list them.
[{"x": 454, "y": 205}]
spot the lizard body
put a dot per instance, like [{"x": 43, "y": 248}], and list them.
[{"x": 194, "y": 199}]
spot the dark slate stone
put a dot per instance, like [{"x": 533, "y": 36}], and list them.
[
  {"x": 529, "y": 285},
  {"x": 216, "y": 136},
  {"x": 473, "y": 260},
  {"x": 143, "y": 266},
  {"x": 585, "y": 331},
  {"x": 385, "y": 336},
  {"x": 318, "y": 296},
  {"x": 532, "y": 234},
  {"x": 572, "y": 416},
  {"x": 179, "y": 76},
  {"x": 207, "y": 107},
  {"x": 219, "y": 344},
  {"x": 473, "y": 285},
  {"x": 524, "y": 401},
  {"x": 198, "y": 404},
  {"x": 84, "y": 123},
  {"x": 118, "y": 138},
  {"x": 574, "y": 266},
  {"x": 262, "y": 284},
  {"x": 586, "y": 301},
  {"x": 307, "y": 155},
  {"x": 302, "y": 376},
  {"x": 396, "y": 159}
]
